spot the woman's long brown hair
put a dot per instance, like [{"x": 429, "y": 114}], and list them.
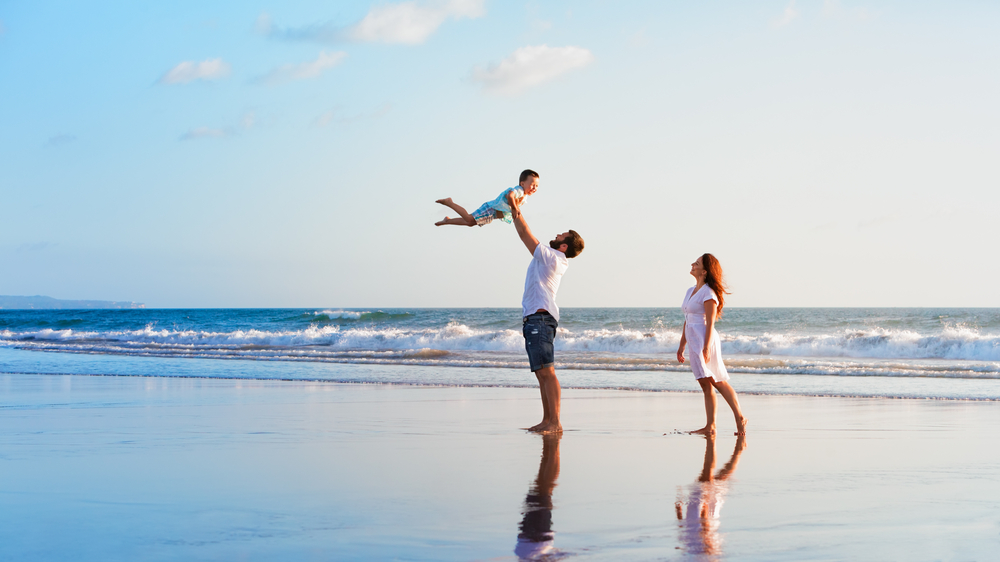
[{"x": 714, "y": 279}]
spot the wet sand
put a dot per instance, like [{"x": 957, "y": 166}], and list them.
[{"x": 126, "y": 468}]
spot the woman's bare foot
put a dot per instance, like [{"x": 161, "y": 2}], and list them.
[
  {"x": 707, "y": 430},
  {"x": 741, "y": 426},
  {"x": 446, "y": 201},
  {"x": 442, "y": 222},
  {"x": 741, "y": 443}
]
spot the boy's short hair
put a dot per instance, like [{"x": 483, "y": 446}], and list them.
[
  {"x": 527, "y": 174},
  {"x": 574, "y": 244}
]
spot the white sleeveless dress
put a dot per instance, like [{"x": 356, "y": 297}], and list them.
[{"x": 694, "y": 330}]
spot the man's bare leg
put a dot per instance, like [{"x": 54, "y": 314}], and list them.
[
  {"x": 709, "y": 391},
  {"x": 545, "y": 405},
  {"x": 727, "y": 392},
  {"x": 551, "y": 397},
  {"x": 469, "y": 221}
]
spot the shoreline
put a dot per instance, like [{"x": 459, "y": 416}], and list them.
[
  {"x": 498, "y": 386},
  {"x": 821, "y": 385}
]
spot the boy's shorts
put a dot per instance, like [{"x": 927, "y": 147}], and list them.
[
  {"x": 539, "y": 336},
  {"x": 484, "y": 214}
]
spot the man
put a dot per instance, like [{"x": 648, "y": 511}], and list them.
[{"x": 541, "y": 315}]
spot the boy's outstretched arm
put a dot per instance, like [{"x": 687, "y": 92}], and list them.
[{"x": 530, "y": 242}]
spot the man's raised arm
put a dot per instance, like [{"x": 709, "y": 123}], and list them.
[{"x": 530, "y": 242}]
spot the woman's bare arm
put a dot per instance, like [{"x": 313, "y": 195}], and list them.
[
  {"x": 683, "y": 344},
  {"x": 709, "y": 327}
]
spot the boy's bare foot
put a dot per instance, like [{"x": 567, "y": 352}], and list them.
[
  {"x": 442, "y": 222},
  {"x": 446, "y": 201},
  {"x": 741, "y": 426},
  {"x": 707, "y": 430}
]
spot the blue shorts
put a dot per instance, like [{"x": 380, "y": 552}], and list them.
[
  {"x": 539, "y": 336},
  {"x": 484, "y": 214}
]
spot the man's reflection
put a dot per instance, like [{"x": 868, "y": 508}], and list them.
[
  {"x": 699, "y": 513},
  {"x": 534, "y": 542}
]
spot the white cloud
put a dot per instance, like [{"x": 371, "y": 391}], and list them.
[
  {"x": 530, "y": 66},
  {"x": 878, "y": 221},
  {"x": 264, "y": 24},
  {"x": 326, "y": 118},
  {"x": 409, "y": 23},
  {"x": 336, "y": 116},
  {"x": 204, "y": 133},
  {"x": 189, "y": 71},
  {"x": 312, "y": 69},
  {"x": 834, "y": 9},
  {"x": 246, "y": 122},
  {"x": 639, "y": 39},
  {"x": 791, "y": 12}
]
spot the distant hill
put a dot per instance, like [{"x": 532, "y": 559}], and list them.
[{"x": 48, "y": 303}]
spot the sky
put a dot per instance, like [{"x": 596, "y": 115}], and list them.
[{"x": 288, "y": 154}]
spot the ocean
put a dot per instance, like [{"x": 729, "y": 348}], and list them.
[{"x": 950, "y": 353}]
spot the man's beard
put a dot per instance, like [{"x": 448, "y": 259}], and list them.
[{"x": 554, "y": 244}]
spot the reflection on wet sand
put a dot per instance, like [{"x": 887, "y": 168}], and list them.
[
  {"x": 699, "y": 513},
  {"x": 534, "y": 542}
]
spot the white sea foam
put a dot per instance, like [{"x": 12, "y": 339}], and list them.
[
  {"x": 609, "y": 349},
  {"x": 951, "y": 343},
  {"x": 352, "y": 314}
]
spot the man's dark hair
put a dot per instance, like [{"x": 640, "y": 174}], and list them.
[
  {"x": 574, "y": 244},
  {"x": 527, "y": 174}
]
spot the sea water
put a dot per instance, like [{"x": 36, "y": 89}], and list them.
[{"x": 894, "y": 352}]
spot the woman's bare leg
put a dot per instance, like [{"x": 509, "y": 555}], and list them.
[
  {"x": 469, "y": 221},
  {"x": 727, "y": 392},
  {"x": 709, "y": 391}
]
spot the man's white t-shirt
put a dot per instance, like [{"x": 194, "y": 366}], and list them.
[{"x": 540, "y": 285}]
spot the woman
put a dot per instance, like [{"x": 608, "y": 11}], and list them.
[{"x": 702, "y": 304}]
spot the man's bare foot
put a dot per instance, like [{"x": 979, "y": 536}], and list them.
[
  {"x": 741, "y": 426},
  {"x": 446, "y": 201},
  {"x": 536, "y": 426},
  {"x": 707, "y": 430},
  {"x": 442, "y": 222},
  {"x": 546, "y": 428}
]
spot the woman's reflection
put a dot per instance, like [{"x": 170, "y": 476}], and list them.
[
  {"x": 699, "y": 513},
  {"x": 534, "y": 542}
]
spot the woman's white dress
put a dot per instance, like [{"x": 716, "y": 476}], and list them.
[{"x": 694, "y": 330}]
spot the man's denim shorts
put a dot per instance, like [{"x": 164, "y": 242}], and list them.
[{"x": 539, "y": 335}]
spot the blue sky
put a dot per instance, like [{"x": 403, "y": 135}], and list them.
[{"x": 289, "y": 154}]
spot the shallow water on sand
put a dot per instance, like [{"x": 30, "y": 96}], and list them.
[
  {"x": 125, "y": 468},
  {"x": 20, "y": 361}
]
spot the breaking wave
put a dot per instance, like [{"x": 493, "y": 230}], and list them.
[{"x": 953, "y": 352}]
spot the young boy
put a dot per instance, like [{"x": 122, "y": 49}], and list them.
[{"x": 506, "y": 207}]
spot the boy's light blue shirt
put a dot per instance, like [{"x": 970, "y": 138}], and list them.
[{"x": 501, "y": 204}]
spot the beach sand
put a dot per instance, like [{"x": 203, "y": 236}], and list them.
[{"x": 128, "y": 468}]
